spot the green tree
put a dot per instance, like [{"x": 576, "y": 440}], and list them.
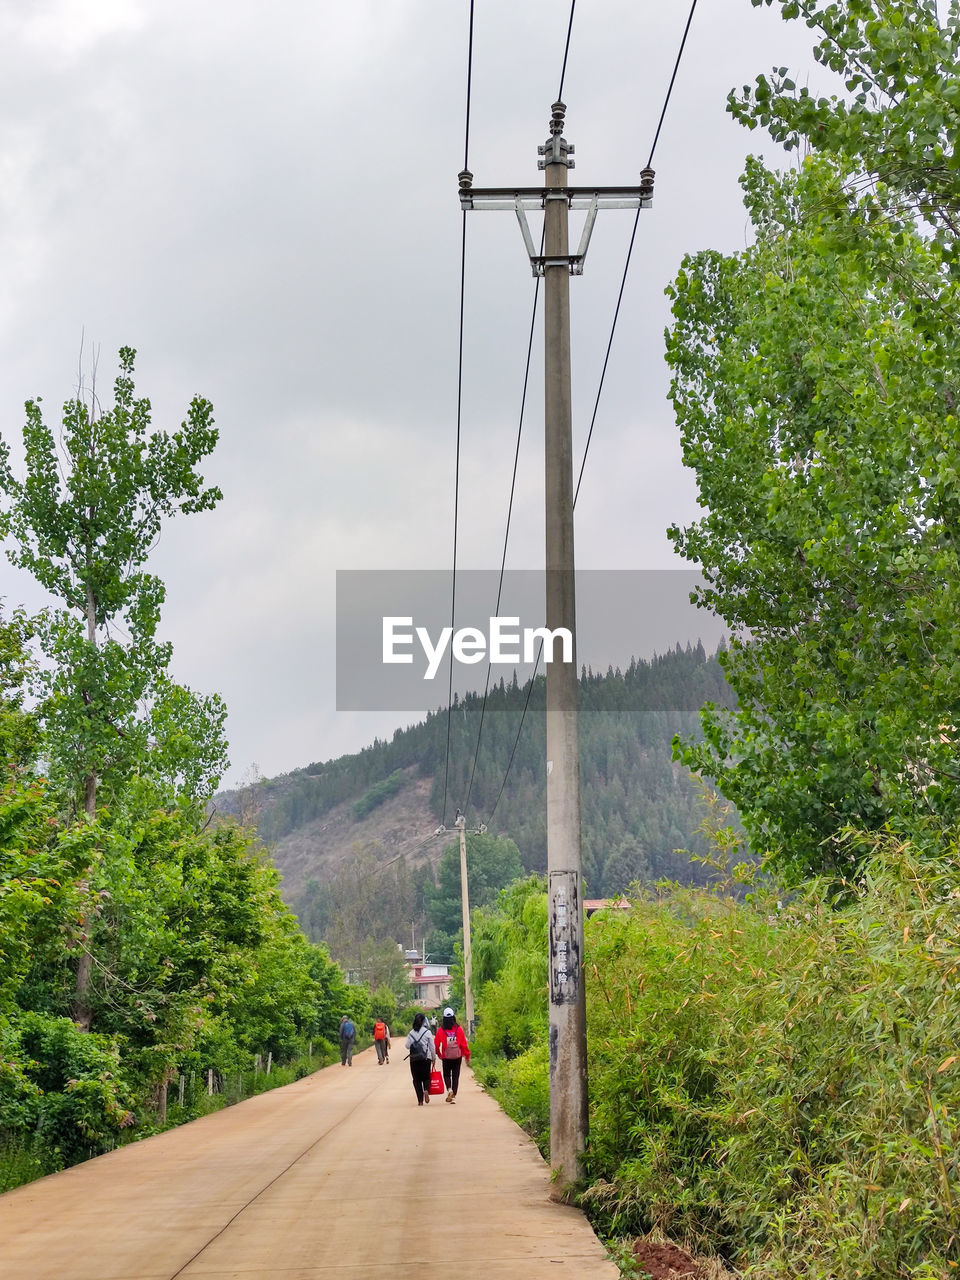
[
  {"x": 493, "y": 862},
  {"x": 897, "y": 124},
  {"x": 83, "y": 523},
  {"x": 820, "y": 420}
]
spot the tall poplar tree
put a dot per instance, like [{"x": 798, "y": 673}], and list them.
[
  {"x": 817, "y": 406},
  {"x": 83, "y": 522}
]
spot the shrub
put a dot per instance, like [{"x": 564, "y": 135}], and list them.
[
  {"x": 780, "y": 1083},
  {"x": 82, "y": 1101},
  {"x": 775, "y": 1081}
]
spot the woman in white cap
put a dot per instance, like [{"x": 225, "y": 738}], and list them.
[{"x": 452, "y": 1048}]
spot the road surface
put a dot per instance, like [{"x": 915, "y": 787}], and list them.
[{"x": 340, "y": 1174}]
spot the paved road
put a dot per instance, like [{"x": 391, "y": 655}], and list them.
[{"x": 339, "y": 1174}]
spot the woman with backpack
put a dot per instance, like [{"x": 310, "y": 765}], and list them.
[
  {"x": 381, "y": 1041},
  {"x": 452, "y": 1048},
  {"x": 420, "y": 1045}
]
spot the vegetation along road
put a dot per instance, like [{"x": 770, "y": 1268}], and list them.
[{"x": 340, "y": 1173}]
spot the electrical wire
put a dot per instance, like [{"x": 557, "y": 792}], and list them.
[
  {"x": 676, "y": 68},
  {"x": 456, "y": 481},
  {"x": 606, "y": 358},
  {"x": 633, "y": 236},
  {"x": 516, "y": 456},
  {"x": 566, "y": 51},
  {"x": 506, "y": 536},
  {"x": 516, "y": 741}
]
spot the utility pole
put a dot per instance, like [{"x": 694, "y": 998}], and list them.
[
  {"x": 568, "y": 1007},
  {"x": 568, "y": 1024},
  {"x": 461, "y": 825}
]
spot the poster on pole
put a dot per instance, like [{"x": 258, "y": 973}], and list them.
[{"x": 565, "y": 937}]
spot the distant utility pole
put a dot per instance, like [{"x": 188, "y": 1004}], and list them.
[
  {"x": 461, "y": 824},
  {"x": 568, "y": 1023}
]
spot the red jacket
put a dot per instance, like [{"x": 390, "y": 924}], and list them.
[{"x": 440, "y": 1041}]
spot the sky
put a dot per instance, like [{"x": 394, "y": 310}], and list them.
[{"x": 262, "y": 200}]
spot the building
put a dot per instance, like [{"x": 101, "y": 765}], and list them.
[
  {"x": 592, "y": 905},
  {"x": 430, "y": 982}
]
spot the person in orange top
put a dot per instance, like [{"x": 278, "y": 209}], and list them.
[
  {"x": 452, "y": 1048},
  {"x": 381, "y": 1040}
]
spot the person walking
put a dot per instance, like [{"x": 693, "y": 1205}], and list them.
[
  {"x": 348, "y": 1038},
  {"x": 380, "y": 1041},
  {"x": 422, "y": 1054},
  {"x": 451, "y": 1046}
]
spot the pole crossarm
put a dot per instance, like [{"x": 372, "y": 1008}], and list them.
[
  {"x": 520, "y": 199},
  {"x": 576, "y": 197}
]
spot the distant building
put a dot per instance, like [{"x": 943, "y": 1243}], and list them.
[
  {"x": 431, "y": 982},
  {"x": 592, "y": 905}
]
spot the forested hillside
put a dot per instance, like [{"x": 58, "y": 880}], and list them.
[{"x": 638, "y": 806}]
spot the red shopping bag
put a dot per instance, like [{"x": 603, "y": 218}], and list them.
[{"x": 436, "y": 1082}]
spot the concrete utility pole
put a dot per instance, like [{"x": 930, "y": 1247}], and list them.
[
  {"x": 568, "y": 1008},
  {"x": 568, "y": 1030},
  {"x": 465, "y": 907}
]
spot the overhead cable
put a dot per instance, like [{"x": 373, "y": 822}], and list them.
[
  {"x": 606, "y": 358},
  {"x": 626, "y": 265},
  {"x": 516, "y": 455},
  {"x": 456, "y": 479}
]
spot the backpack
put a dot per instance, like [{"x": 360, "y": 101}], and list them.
[
  {"x": 420, "y": 1047},
  {"x": 451, "y": 1049},
  {"x": 348, "y": 1030},
  {"x": 380, "y": 1031}
]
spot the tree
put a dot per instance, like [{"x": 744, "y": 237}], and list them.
[
  {"x": 83, "y": 523},
  {"x": 492, "y": 863},
  {"x": 898, "y": 125},
  {"x": 820, "y": 418}
]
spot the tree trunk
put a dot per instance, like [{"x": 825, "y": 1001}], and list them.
[{"x": 80, "y": 1010}]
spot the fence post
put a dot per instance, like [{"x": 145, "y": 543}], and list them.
[
  {"x": 269, "y": 1061},
  {"x": 209, "y": 1082}
]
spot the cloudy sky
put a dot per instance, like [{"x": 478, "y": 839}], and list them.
[{"x": 262, "y": 199}]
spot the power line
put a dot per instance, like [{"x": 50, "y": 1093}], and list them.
[
  {"x": 606, "y": 358},
  {"x": 566, "y": 50},
  {"x": 676, "y": 68},
  {"x": 633, "y": 236},
  {"x": 516, "y": 741},
  {"x": 506, "y": 536},
  {"x": 456, "y": 480},
  {"x": 513, "y": 480}
]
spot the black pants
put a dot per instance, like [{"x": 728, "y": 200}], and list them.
[
  {"x": 451, "y": 1073},
  {"x": 420, "y": 1071}
]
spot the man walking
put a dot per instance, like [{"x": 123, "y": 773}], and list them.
[{"x": 348, "y": 1038}]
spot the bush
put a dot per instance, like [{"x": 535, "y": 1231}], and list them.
[
  {"x": 775, "y": 1082},
  {"x": 779, "y": 1083},
  {"x": 82, "y": 1101}
]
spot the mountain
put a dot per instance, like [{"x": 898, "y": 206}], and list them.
[{"x": 638, "y": 807}]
